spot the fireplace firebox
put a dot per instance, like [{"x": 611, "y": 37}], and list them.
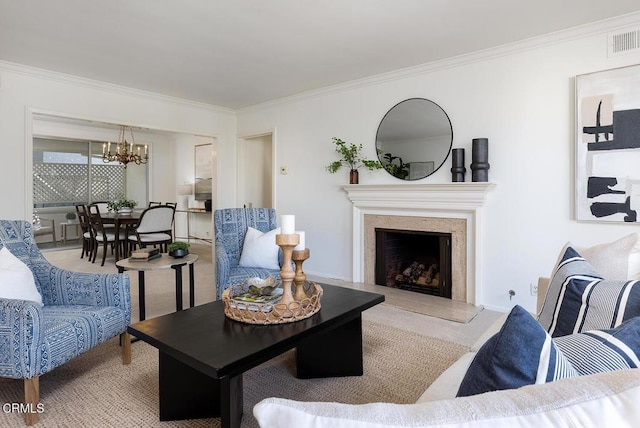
[{"x": 414, "y": 260}]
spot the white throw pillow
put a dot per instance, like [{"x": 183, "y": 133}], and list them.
[
  {"x": 579, "y": 299},
  {"x": 16, "y": 279},
  {"x": 260, "y": 249},
  {"x": 634, "y": 261},
  {"x": 612, "y": 260}
]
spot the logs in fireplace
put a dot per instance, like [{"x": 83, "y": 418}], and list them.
[{"x": 414, "y": 260}]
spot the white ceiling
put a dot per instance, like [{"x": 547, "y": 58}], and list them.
[{"x": 236, "y": 53}]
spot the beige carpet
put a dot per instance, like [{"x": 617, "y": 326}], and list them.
[{"x": 96, "y": 390}]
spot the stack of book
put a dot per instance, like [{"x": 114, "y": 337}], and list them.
[
  {"x": 244, "y": 301},
  {"x": 144, "y": 254}
]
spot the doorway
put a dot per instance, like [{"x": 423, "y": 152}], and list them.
[{"x": 255, "y": 171}]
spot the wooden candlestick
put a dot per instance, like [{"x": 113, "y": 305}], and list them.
[
  {"x": 298, "y": 258},
  {"x": 287, "y": 243}
]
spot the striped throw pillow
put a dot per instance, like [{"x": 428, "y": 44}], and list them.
[
  {"x": 603, "y": 350},
  {"x": 521, "y": 353},
  {"x": 579, "y": 299}
]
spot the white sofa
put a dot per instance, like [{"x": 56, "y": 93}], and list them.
[{"x": 601, "y": 400}]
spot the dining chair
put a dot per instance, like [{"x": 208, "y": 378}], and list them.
[
  {"x": 104, "y": 207},
  {"x": 155, "y": 227},
  {"x": 172, "y": 204},
  {"x": 87, "y": 232},
  {"x": 154, "y": 204},
  {"x": 101, "y": 234}
]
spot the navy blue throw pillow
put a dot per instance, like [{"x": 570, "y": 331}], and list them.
[
  {"x": 599, "y": 351},
  {"x": 579, "y": 299},
  {"x": 521, "y": 353}
]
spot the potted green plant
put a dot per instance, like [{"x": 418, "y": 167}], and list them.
[
  {"x": 70, "y": 216},
  {"x": 122, "y": 205},
  {"x": 351, "y": 157},
  {"x": 178, "y": 249}
]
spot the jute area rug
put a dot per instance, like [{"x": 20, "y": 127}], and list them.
[{"x": 96, "y": 390}]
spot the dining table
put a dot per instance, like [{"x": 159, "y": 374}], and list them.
[{"x": 119, "y": 220}]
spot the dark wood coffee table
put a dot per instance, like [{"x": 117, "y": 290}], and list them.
[{"x": 203, "y": 354}]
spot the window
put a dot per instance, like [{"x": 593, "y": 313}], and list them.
[{"x": 64, "y": 174}]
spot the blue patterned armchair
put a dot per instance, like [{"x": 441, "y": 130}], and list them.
[
  {"x": 81, "y": 310},
  {"x": 230, "y": 227}
]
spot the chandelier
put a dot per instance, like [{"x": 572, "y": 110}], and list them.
[{"x": 125, "y": 151}]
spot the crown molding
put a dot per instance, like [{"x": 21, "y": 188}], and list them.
[
  {"x": 549, "y": 39},
  {"x": 105, "y": 86}
]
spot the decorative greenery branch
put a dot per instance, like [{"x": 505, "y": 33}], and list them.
[{"x": 351, "y": 157}]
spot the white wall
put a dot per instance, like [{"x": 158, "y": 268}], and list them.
[
  {"x": 25, "y": 90},
  {"x": 521, "y": 97}
]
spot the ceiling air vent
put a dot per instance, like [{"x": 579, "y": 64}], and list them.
[{"x": 624, "y": 41}]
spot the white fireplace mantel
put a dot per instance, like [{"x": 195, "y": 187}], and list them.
[
  {"x": 443, "y": 200},
  {"x": 446, "y": 195}
]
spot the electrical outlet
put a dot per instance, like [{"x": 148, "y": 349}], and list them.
[{"x": 534, "y": 289}]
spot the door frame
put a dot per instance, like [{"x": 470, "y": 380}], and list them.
[{"x": 240, "y": 157}]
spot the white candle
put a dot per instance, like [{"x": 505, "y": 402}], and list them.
[
  {"x": 109, "y": 147},
  {"x": 301, "y": 246},
  {"x": 104, "y": 149},
  {"x": 287, "y": 224}
]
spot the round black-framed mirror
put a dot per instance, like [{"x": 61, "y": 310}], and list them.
[{"x": 414, "y": 139}]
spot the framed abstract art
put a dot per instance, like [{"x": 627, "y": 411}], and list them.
[{"x": 608, "y": 146}]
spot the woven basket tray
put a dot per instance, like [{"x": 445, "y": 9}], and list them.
[{"x": 270, "y": 313}]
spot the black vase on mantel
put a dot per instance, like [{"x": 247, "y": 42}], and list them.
[
  {"x": 480, "y": 159},
  {"x": 457, "y": 165}
]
